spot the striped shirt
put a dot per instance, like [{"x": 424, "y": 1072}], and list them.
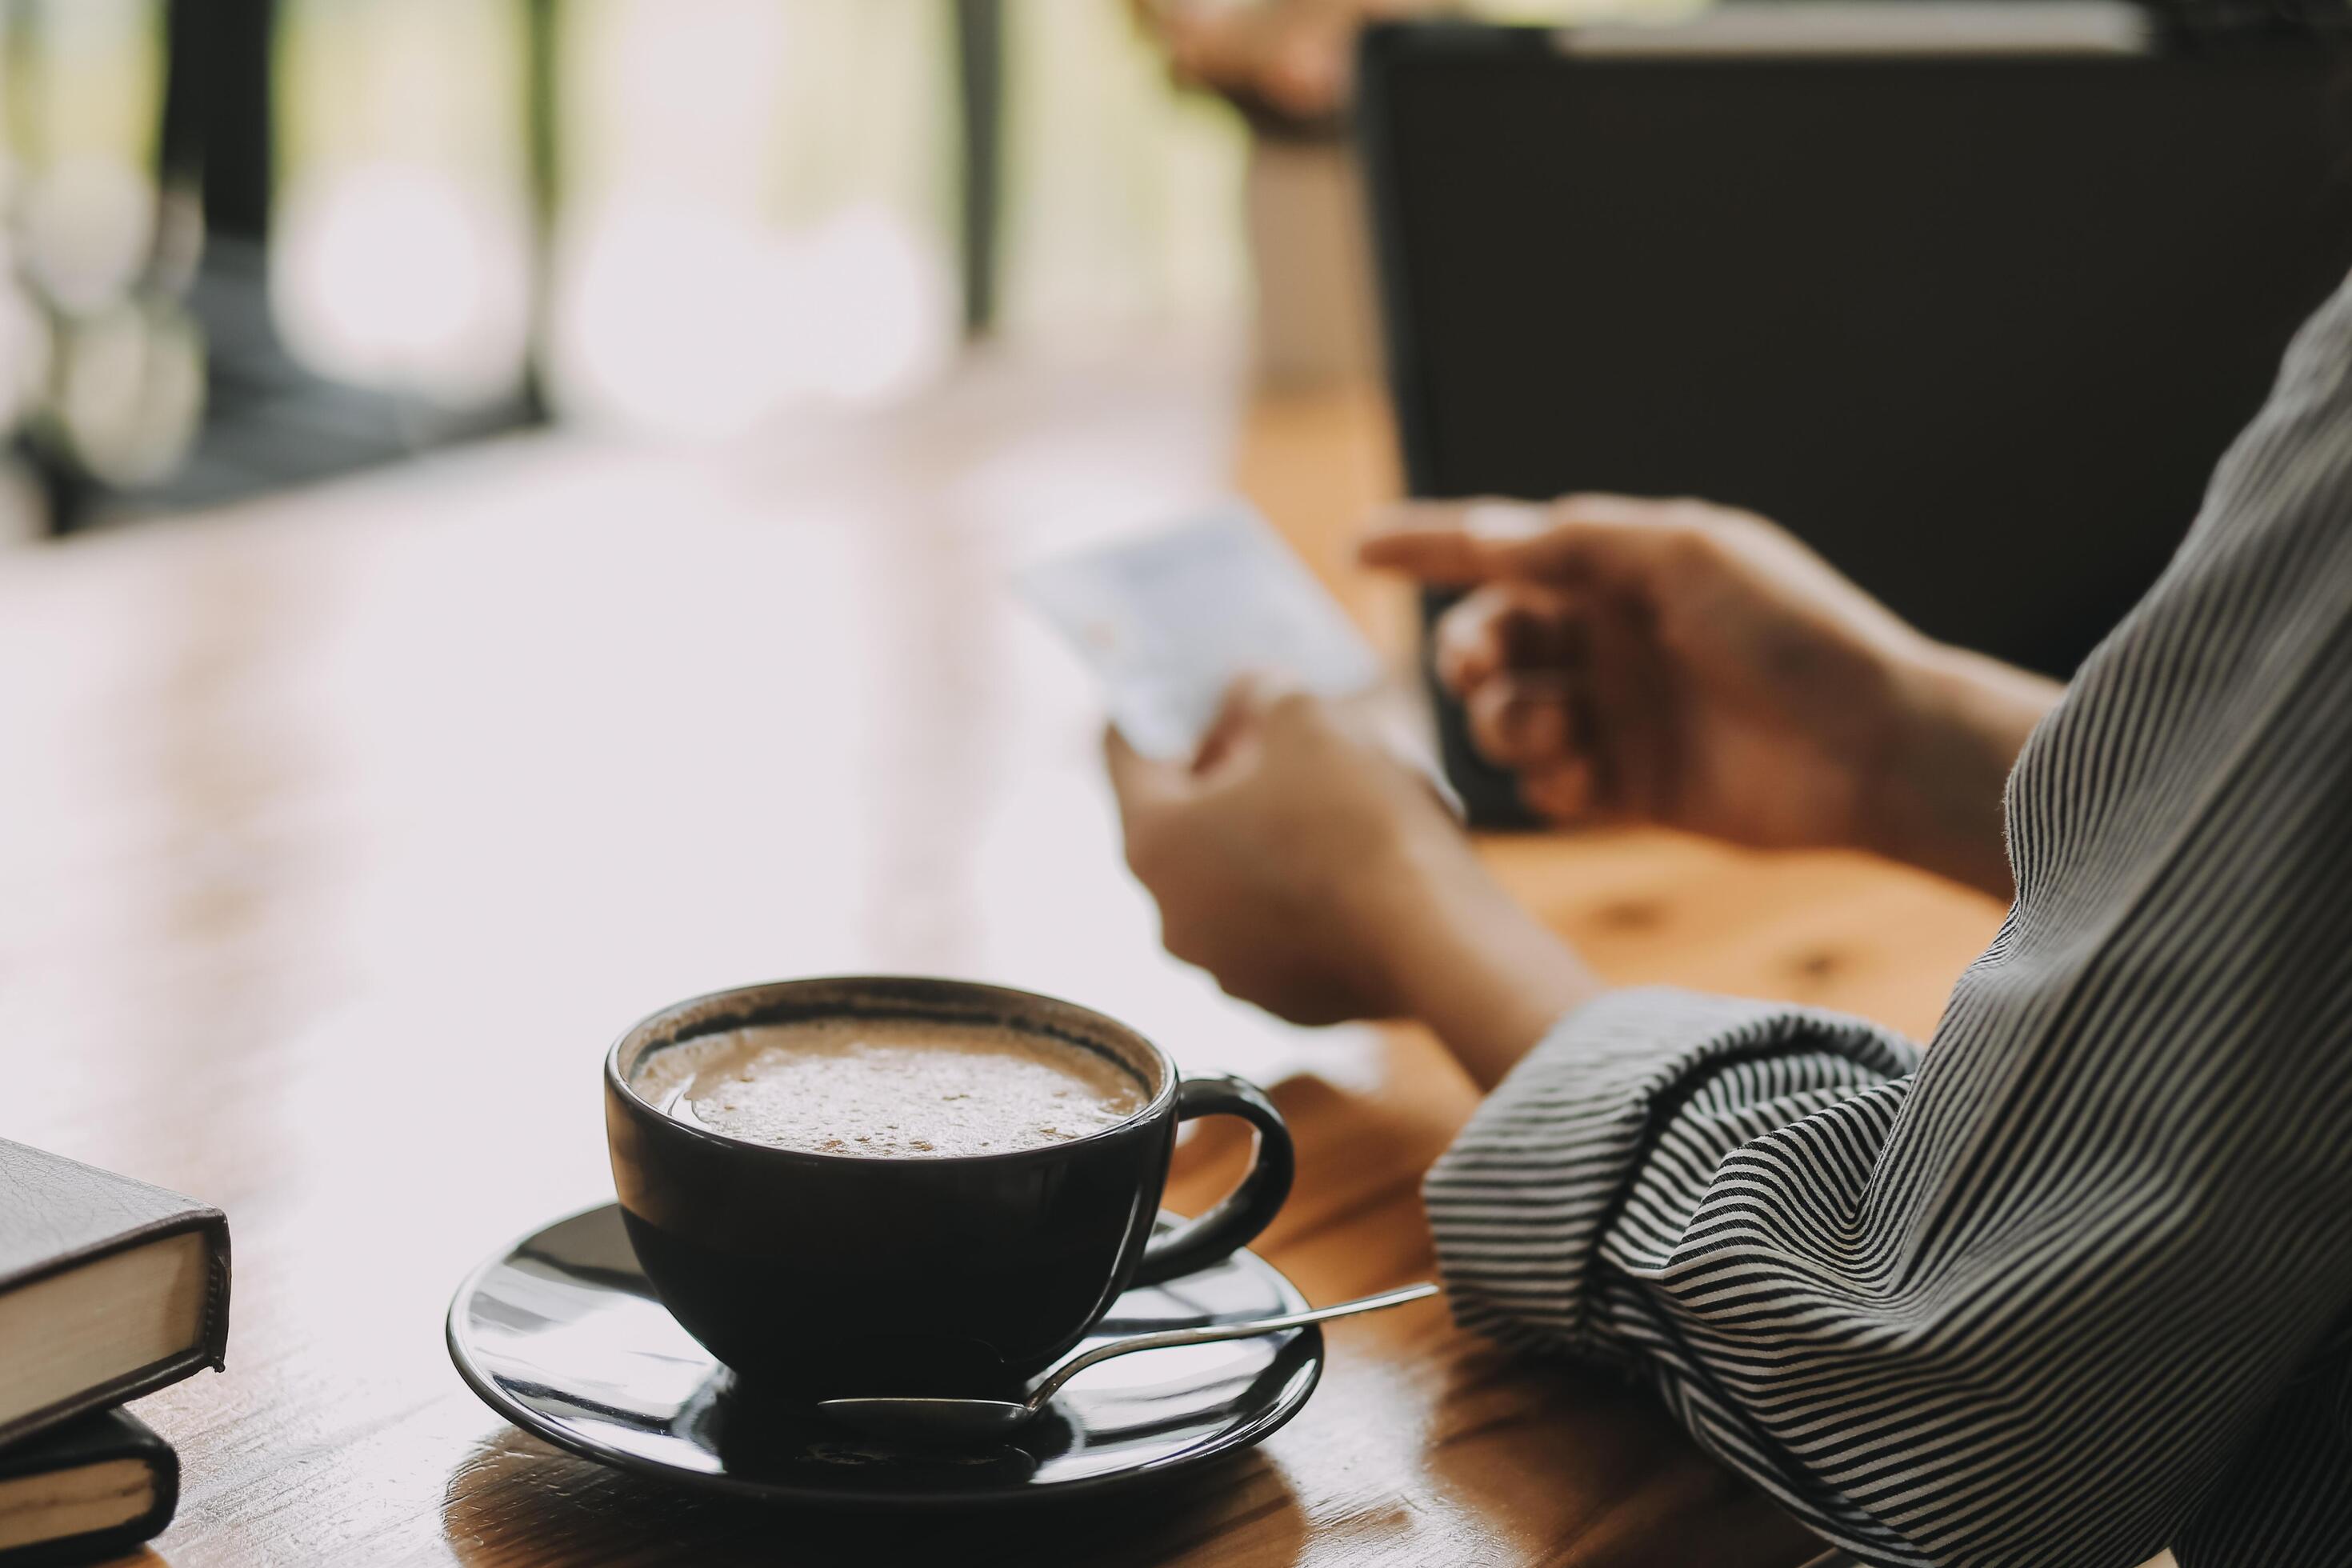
[{"x": 2072, "y": 1283}]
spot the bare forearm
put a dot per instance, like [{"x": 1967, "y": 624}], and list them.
[
  {"x": 1937, "y": 801},
  {"x": 1485, "y": 975}
]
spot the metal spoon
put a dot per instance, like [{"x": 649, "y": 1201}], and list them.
[{"x": 972, "y": 1419}]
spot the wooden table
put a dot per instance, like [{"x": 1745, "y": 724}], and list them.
[{"x": 403, "y": 796}]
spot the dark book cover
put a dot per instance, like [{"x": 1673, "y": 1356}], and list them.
[
  {"x": 108, "y": 1464},
  {"x": 59, "y": 1216}
]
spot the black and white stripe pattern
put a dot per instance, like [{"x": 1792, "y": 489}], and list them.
[{"x": 2074, "y": 1284}]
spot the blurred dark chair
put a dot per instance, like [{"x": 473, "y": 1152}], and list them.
[{"x": 267, "y": 421}]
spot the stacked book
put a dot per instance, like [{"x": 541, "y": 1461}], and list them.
[{"x": 109, "y": 1288}]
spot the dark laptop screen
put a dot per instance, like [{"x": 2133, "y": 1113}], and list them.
[{"x": 1978, "y": 327}]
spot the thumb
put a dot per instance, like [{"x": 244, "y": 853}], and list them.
[
  {"x": 1240, "y": 716},
  {"x": 1140, "y": 782}
]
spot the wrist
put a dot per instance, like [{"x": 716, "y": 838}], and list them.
[
  {"x": 1934, "y": 797},
  {"x": 1463, "y": 958}
]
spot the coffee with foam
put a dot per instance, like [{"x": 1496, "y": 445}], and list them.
[{"x": 891, "y": 1088}]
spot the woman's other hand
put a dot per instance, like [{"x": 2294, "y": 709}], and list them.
[
  {"x": 1291, "y": 57},
  {"x": 1685, "y": 664}
]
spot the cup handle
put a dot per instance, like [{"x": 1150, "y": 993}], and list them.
[{"x": 1241, "y": 1214}]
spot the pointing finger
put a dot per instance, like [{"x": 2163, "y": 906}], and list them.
[
  {"x": 1574, "y": 538},
  {"x": 1450, "y": 541}
]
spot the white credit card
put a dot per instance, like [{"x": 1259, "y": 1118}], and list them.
[{"x": 1168, "y": 620}]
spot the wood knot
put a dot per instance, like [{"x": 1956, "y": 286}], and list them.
[
  {"x": 1820, "y": 963},
  {"x": 1629, "y": 914}
]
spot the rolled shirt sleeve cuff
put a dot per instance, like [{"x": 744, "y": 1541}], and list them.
[{"x": 1637, "y": 1093}]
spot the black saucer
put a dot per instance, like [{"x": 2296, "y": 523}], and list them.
[{"x": 560, "y": 1334}]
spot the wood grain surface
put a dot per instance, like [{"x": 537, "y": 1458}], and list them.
[{"x": 339, "y": 834}]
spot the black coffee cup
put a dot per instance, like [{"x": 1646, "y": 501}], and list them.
[{"x": 815, "y": 1275}]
